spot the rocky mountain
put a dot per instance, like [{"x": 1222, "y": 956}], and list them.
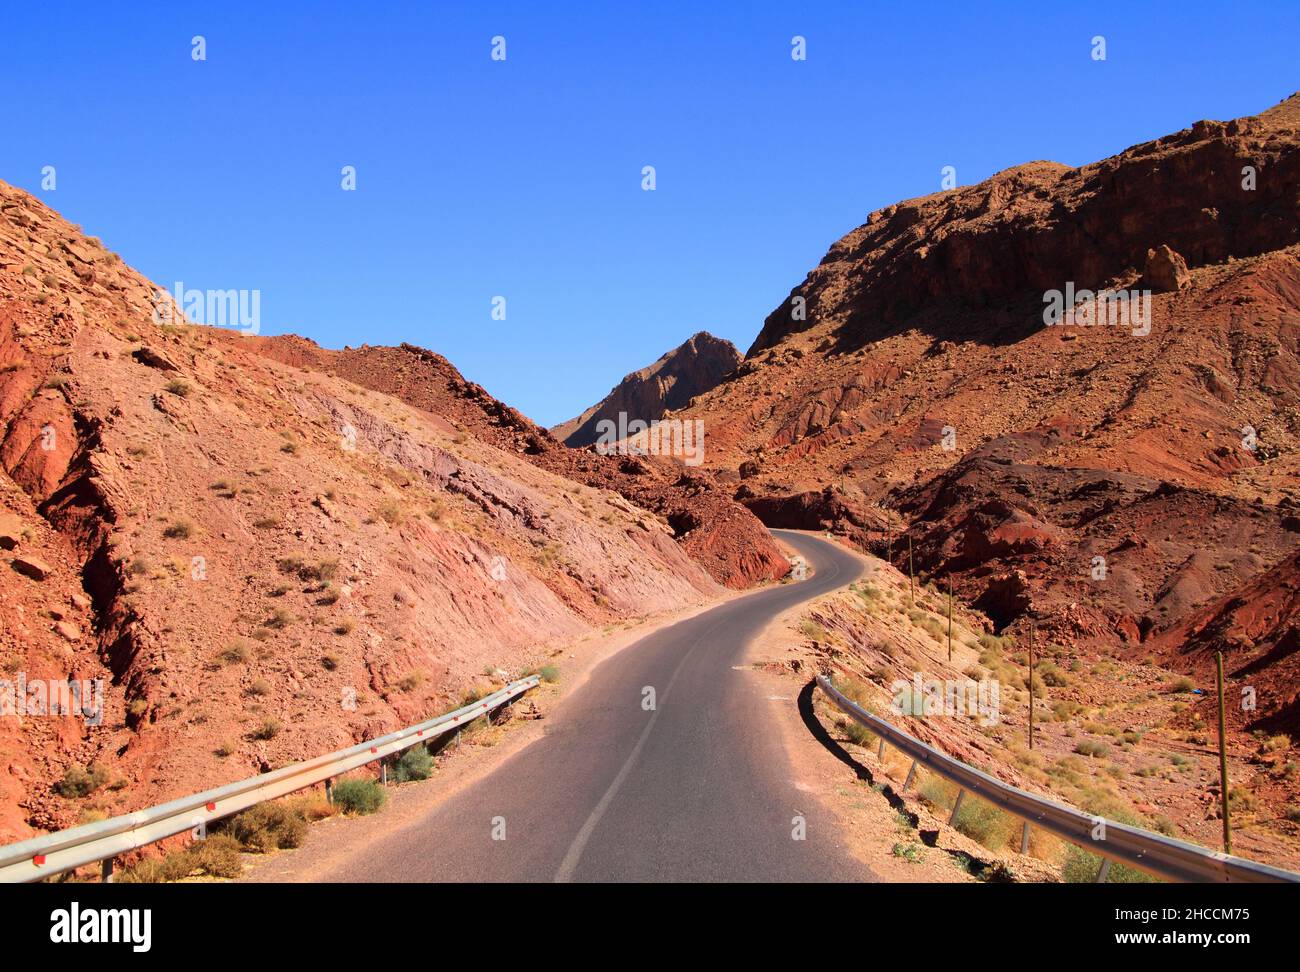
[
  {"x": 692, "y": 368},
  {"x": 718, "y": 532},
  {"x": 255, "y": 553},
  {"x": 1105, "y": 469}
]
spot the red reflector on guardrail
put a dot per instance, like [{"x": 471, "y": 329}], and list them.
[
  {"x": 374, "y": 749},
  {"x": 38, "y": 860},
  {"x": 211, "y": 807}
]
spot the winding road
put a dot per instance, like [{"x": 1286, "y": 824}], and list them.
[{"x": 695, "y": 789}]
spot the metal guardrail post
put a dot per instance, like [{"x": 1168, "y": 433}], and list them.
[
  {"x": 961, "y": 795},
  {"x": 106, "y": 870},
  {"x": 880, "y": 750},
  {"x": 1024, "y": 838},
  {"x": 1103, "y": 872},
  {"x": 383, "y": 772},
  {"x": 910, "y": 773}
]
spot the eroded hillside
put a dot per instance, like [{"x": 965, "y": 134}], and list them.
[
  {"x": 1107, "y": 483},
  {"x": 261, "y": 562},
  {"x": 719, "y": 533}
]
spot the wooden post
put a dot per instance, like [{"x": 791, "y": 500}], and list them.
[
  {"x": 1031, "y": 686},
  {"x": 911, "y": 597},
  {"x": 1223, "y": 762},
  {"x": 950, "y": 617}
]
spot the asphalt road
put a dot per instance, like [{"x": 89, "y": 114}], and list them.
[{"x": 697, "y": 789}]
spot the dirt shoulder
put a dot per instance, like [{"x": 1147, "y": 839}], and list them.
[{"x": 895, "y": 834}]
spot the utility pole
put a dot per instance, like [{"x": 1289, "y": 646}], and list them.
[
  {"x": 1223, "y": 763},
  {"x": 950, "y": 617},
  {"x": 911, "y": 596},
  {"x": 1031, "y": 686}
]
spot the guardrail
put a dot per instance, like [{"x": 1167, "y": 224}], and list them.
[
  {"x": 63, "y": 850},
  {"x": 1156, "y": 854}
]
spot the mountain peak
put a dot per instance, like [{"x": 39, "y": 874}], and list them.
[{"x": 695, "y": 366}]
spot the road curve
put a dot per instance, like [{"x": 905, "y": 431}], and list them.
[{"x": 696, "y": 790}]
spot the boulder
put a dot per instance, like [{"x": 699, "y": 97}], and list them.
[
  {"x": 1165, "y": 270},
  {"x": 153, "y": 358},
  {"x": 32, "y": 567}
]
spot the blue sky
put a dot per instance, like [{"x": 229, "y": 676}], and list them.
[{"x": 522, "y": 178}]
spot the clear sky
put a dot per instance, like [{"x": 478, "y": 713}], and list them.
[{"x": 522, "y": 178}]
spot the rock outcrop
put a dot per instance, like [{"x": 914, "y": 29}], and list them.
[
  {"x": 692, "y": 368},
  {"x": 1165, "y": 270},
  {"x": 914, "y": 373}
]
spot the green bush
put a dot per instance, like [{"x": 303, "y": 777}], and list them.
[
  {"x": 859, "y": 734},
  {"x": 179, "y": 530},
  {"x": 78, "y": 782},
  {"x": 912, "y": 853},
  {"x": 358, "y": 796},
  {"x": 812, "y": 630},
  {"x": 238, "y": 652},
  {"x": 218, "y": 856},
  {"x": 937, "y": 792},
  {"x": 1052, "y": 675},
  {"x": 415, "y": 764},
  {"x": 267, "y": 729},
  {"x": 985, "y": 823},
  {"x": 265, "y": 827},
  {"x": 1092, "y": 747}
]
